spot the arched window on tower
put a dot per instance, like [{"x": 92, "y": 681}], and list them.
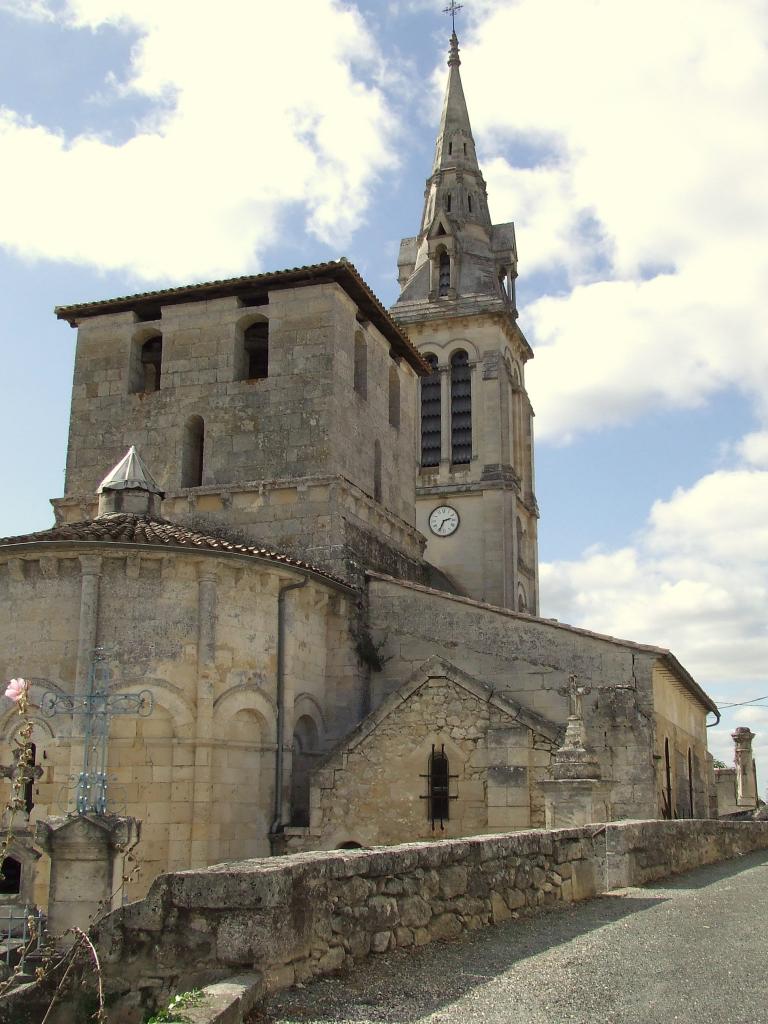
[
  {"x": 394, "y": 396},
  {"x": 361, "y": 365},
  {"x": 461, "y": 409},
  {"x": 444, "y": 273},
  {"x": 256, "y": 345},
  {"x": 520, "y": 542},
  {"x": 431, "y": 415},
  {"x": 151, "y": 364},
  {"x": 193, "y": 450},
  {"x": 469, "y": 203}
]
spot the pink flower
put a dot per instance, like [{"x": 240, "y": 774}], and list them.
[{"x": 16, "y": 689}]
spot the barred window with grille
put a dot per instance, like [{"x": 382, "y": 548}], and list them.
[
  {"x": 430, "y": 415},
  {"x": 439, "y": 781},
  {"x": 461, "y": 409}
]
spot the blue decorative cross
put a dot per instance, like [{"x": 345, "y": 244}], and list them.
[{"x": 97, "y": 707}]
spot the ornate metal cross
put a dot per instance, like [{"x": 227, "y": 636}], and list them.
[
  {"x": 97, "y": 708},
  {"x": 453, "y": 9},
  {"x": 574, "y": 693}
]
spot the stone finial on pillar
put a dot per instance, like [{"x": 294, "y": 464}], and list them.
[
  {"x": 87, "y": 853},
  {"x": 576, "y": 795},
  {"x": 746, "y": 783}
]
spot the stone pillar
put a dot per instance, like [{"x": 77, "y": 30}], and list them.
[
  {"x": 576, "y": 795},
  {"x": 746, "y": 783},
  {"x": 90, "y": 574},
  {"x": 87, "y": 853},
  {"x": 203, "y": 850}
]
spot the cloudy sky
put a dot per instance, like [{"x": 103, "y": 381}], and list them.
[{"x": 151, "y": 142}]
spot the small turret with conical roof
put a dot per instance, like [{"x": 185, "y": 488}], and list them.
[{"x": 129, "y": 487}]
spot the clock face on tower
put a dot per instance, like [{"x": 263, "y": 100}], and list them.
[{"x": 444, "y": 521}]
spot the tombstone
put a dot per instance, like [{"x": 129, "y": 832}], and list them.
[
  {"x": 576, "y": 795},
  {"x": 87, "y": 853}
]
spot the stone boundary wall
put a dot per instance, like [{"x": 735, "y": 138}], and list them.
[{"x": 295, "y": 918}]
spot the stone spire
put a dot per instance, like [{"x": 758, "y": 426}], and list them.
[
  {"x": 458, "y": 254},
  {"x": 455, "y": 143},
  {"x": 129, "y": 487}
]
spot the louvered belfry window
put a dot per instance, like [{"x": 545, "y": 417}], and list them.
[
  {"x": 444, "y": 279},
  {"x": 430, "y": 415},
  {"x": 461, "y": 409}
]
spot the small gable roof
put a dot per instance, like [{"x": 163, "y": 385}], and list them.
[{"x": 438, "y": 668}]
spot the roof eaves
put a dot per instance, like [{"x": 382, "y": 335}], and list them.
[
  {"x": 342, "y": 271},
  {"x": 272, "y": 560}
]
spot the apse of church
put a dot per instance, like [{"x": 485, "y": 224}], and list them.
[{"x": 475, "y": 491}]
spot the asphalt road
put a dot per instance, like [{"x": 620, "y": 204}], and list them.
[{"x": 693, "y": 949}]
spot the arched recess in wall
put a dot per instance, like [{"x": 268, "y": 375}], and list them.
[
  {"x": 522, "y": 599},
  {"x": 306, "y": 744},
  {"x": 361, "y": 365},
  {"x": 193, "y": 452},
  {"x": 10, "y": 877},
  {"x": 431, "y": 418},
  {"x": 242, "y": 772},
  {"x": 461, "y": 408},
  {"x": 147, "y": 378},
  {"x": 691, "y": 797},
  {"x": 255, "y": 349},
  {"x": 394, "y": 396}
]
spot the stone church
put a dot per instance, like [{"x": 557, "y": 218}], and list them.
[{"x": 306, "y": 526}]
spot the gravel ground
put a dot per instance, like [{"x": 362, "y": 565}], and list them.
[{"x": 691, "y": 949}]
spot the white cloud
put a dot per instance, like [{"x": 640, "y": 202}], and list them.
[
  {"x": 754, "y": 449},
  {"x": 255, "y": 112},
  {"x": 31, "y": 10},
  {"x": 695, "y": 580},
  {"x": 659, "y": 137}
]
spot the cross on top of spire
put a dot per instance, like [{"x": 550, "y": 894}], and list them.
[{"x": 453, "y": 9}]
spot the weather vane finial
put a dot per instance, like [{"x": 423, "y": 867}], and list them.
[{"x": 453, "y": 9}]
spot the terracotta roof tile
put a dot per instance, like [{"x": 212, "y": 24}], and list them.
[
  {"x": 342, "y": 271},
  {"x": 149, "y": 531}
]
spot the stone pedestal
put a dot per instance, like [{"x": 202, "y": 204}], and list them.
[
  {"x": 569, "y": 803},
  {"x": 87, "y": 854},
  {"x": 576, "y": 795}
]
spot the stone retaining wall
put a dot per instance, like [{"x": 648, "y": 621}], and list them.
[{"x": 294, "y": 918}]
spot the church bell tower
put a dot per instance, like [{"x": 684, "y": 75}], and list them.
[{"x": 475, "y": 491}]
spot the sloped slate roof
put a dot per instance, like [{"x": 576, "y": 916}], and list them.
[
  {"x": 341, "y": 271},
  {"x": 151, "y": 531}
]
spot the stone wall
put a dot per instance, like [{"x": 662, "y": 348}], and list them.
[
  {"x": 298, "y": 917},
  {"x": 529, "y": 660},
  {"x": 374, "y": 788}
]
